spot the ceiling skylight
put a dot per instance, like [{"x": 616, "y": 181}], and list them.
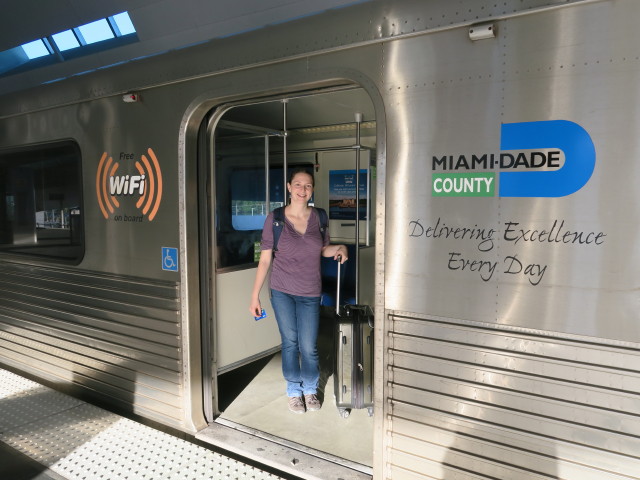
[
  {"x": 123, "y": 23},
  {"x": 85, "y": 39},
  {"x": 66, "y": 40},
  {"x": 35, "y": 49},
  {"x": 96, "y": 31}
]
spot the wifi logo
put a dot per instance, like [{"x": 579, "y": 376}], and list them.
[{"x": 146, "y": 185}]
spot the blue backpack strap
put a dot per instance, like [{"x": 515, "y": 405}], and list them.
[
  {"x": 278, "y": 226},
  {"x": 324, "y": 221}
]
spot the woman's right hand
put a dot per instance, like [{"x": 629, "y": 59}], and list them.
[{"x": 255, "y": 308}]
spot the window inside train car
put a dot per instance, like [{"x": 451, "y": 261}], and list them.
[
  {"x": 248, "y": 200},
  {"x": 41, "y": 200}
]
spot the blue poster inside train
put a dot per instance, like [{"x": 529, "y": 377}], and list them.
[{"x": 342, "y": 195}]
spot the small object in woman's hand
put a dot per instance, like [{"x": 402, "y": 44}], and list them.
[{"x": 263, "y": 314}]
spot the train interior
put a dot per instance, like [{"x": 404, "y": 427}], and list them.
[{"x": 333, "y": 134}]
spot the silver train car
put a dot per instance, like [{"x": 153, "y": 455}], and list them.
[{"x": 495, "y": 152}]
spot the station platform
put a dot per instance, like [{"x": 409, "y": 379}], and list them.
[{"x": 47, "y": 435}]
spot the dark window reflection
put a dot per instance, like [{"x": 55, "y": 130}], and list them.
[{"x": 40, "y": 201}]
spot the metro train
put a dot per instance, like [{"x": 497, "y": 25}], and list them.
[{"x": 479, "y": 156}]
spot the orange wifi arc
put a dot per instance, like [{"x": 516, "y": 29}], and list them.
[{"x": 146, "y": 185}]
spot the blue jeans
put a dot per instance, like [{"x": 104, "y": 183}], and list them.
[{"x": 298, "y": 320}]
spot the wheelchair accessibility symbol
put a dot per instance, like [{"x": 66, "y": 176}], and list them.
[{"x": 170, "y": 259}]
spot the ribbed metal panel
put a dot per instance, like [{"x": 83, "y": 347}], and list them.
[
  {"x": 474, "y": 402},
  {"x": 116, "y": 336}
]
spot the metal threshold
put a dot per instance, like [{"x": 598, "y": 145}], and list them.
[{"x": 280, "y": 454}]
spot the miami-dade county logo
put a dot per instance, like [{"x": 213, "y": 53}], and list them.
[
  {"x": 146, "y": 185},
  {"x": 536, "y": 171}
]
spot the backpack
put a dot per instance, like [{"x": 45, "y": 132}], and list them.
[{"x": 278, "y": 224}]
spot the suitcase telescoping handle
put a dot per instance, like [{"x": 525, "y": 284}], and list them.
[{"x": 338, "y": 287}]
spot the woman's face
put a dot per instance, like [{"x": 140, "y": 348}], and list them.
[{"x": 301, "y": 187}]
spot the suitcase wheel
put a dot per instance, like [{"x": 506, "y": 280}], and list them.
[{"x": 344, "y": 412}]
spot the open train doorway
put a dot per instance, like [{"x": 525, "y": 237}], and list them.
[{"x": 331, "y": 133}]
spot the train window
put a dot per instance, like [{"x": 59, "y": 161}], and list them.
[
  {"x": 242, "y": 212},
  {"x": 248, "y": 203},
  {"x": 40, "y": 202}
]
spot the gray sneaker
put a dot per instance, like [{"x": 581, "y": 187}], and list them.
[
  {"x": 296, "y": 405},
  {"x": 312, "y": 402}
]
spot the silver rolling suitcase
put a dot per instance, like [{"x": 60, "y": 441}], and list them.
[{"x": 353, "y": 368}]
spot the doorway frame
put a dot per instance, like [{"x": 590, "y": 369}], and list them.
[
  {"x": 205, "y": 113},
  {"x": 206, "y": 175}
]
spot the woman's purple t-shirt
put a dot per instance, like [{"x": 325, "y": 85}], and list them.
[{"x": 296, "y": 265}]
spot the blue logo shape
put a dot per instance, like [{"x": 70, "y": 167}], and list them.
[
  {"x": 571, "y": 138},
  {"x": 170, "y": 259}
]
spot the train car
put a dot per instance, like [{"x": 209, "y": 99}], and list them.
[{"x": 494, "y": 148}]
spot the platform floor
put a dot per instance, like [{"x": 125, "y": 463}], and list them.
[{"x": 46, "y": 435}]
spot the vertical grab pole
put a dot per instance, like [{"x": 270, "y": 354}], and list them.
[
  {"x": 267, "y": 185},
  {"x": 357, "y": 246},
  {"x": 285, "y": 101}
]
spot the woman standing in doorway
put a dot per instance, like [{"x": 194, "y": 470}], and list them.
[{"x": 296, "y": 286}]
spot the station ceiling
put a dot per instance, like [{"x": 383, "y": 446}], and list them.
[{"x": 161, "y": 25}]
